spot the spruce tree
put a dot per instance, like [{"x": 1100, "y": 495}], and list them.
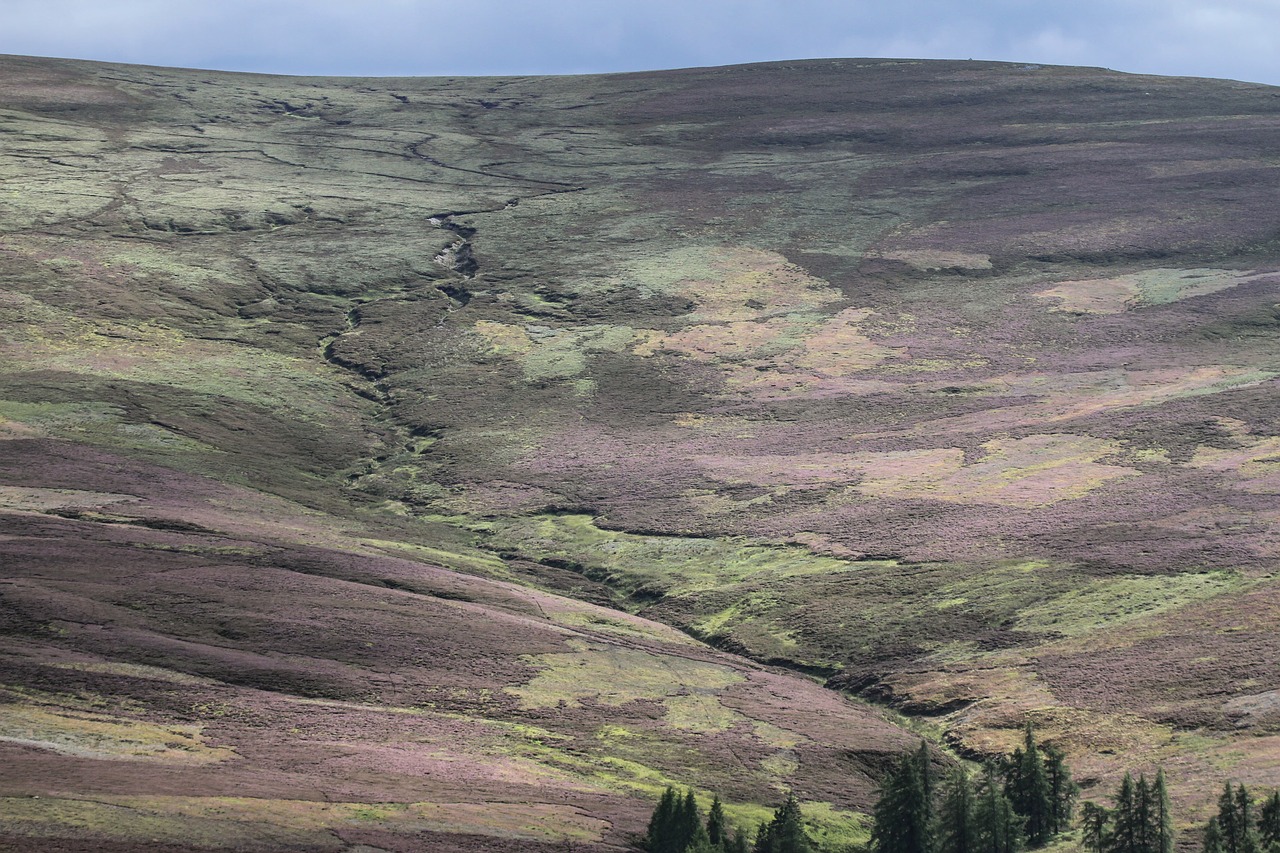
[
  {"x": 998, "y": 827},
  {"x": 902, "y": 812},
  {"x": 1062, "y": 790},
  {"x": 786, "y": 833},
  {"x": 700, "y": 843},
  {"x": 1213, "y": 837},
  {"x": 1235, "y": 821},
  {"x": 1093, "y": 826},
  {"x": 661, "y": 837},
  {"x": 764, "y": 839},
  {"x": 687, "y": 823},
  {"x": 1161, "y": 815},
  {"x": 925, "y": 768},
  {"x": 1269, "y": 824},
  {"x": 1027, "y": 787},
  {"x": 1142, "y": 816},
  {"x": 1126, "y": 832},
  {"x": 717, "y": 829},
  {"x": 1249, "y": 834},
  {"x": 737, "y": 843},
  {"x": 954, "y": 827}
]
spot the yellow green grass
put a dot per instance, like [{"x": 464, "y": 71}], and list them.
[{"x": 93, "y": 735}]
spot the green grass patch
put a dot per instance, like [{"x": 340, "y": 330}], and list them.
[{"x": 1115, "y": 601}]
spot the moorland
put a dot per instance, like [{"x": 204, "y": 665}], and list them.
[{"x": 457, "y": 463}]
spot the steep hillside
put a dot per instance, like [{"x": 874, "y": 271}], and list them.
[{"x": 951, "y": 382}]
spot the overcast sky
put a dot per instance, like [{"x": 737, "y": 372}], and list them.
[{"x": 1233, "y": 38}]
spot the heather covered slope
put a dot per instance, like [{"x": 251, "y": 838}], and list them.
[{"x": 951, "y": 381}]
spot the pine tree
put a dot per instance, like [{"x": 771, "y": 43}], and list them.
[
  {"x": 1093, "y": 826},
  {"x": 1244, "y": 809},
  {"x": 1142, "y": 816},
  {"x": 902, "y": 812},
  {"x": 998, "y": 827},
  {"x": 1027, "y": 787},
  {"x": 786, "y": 833},
  {"x": 954, "y": 828},
  {"x": 1126, "y": 832},
  {"x": 1062, "y": 790},
  {"x": 1213, "y": 837},
  {"x": 925, "y": 768},
  {"x": 687, "y": 825},
  {"x": 1269, "y": 823},
  {"x": 717, "y": 830},
  {"x": 661, "y": 837},
  {"x": 700, "y": 843},
  {"x": 737, "y": 843},
  {"x": 764, "y": 839},
  {"x": 1161, "y": 815},
  {"x": 1235, "y": 821}
]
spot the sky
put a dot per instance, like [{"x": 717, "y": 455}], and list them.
[{"x": 1238, "y": 39}]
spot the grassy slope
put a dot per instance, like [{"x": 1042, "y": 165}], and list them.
[
  {"x": 953, "y": 381},
  {"x": 209, "y": 638}
]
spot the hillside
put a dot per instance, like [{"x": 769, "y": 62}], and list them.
[{"x": 365, "y": 439}]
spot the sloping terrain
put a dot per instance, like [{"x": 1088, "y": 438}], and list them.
[{"x": 951, "y": 382}]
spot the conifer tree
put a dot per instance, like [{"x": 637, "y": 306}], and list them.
[
  {"x": 1244, "y": 809},
  {"x": 1062, "y": 790},
  {"x": 1161, "y": 815},
  {"x": 1027, "y": 787},
  {"x": 700, "y": 843},
  {"x": 717, "y": 829},
  {"x": 998, "y": 827},
  {"x": 902, "y": 812},
  {"x": 955, "y": 830},
  {"x": 1213, "y": 837},
  {"x": 687, "y": 823},
  {"x": 661, "y": 837},
  {"x": 786, "y": 833},
  {"x": 1269, "y": 824},
  {"x": 737, "y": 843},
  {"x": 1142, "y": 816},
  {"x": 764, "y": 839},
  {"x": 1093, "y": 826},
  {"x": 1235, "y": 821},
  {"x": 925, "y": 768},
  {"x": 1126, "y": 832}
]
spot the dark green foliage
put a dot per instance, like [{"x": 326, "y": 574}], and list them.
[
  {"x": 1027, "y": 787},
  {"x": 737, "y": 843},
  {"x": 903, "y": 812},
  {"x": 717, "y": 829},
  {"x": 1094, "y": 826},
  {"x": 1235, "y": 821},
  {"x": 1269, "y": 823},
  {"x": 687, "y": 825},
  {"x": 1213, "y": 837},
  {"x": 998, "y": 827},
  {"x": 785, "y": 834},
  {"x": 660, "y": 837},
  {"x": 1161, "y": 816},
  {"x": 674, "y": 826},
  {"x": 1142, "y": 819},
  {"x": 702, "y": 844},
  {"x": 954, "y": 828},
  {"x": 1126, "y": 831},
  {"x": 925, "y": 768},
  {"x": 1062, "y": 790}
]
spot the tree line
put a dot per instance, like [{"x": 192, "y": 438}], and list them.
[
  {"x": 676, "y": 827},
  {"x": 1020, "y": 802}
]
